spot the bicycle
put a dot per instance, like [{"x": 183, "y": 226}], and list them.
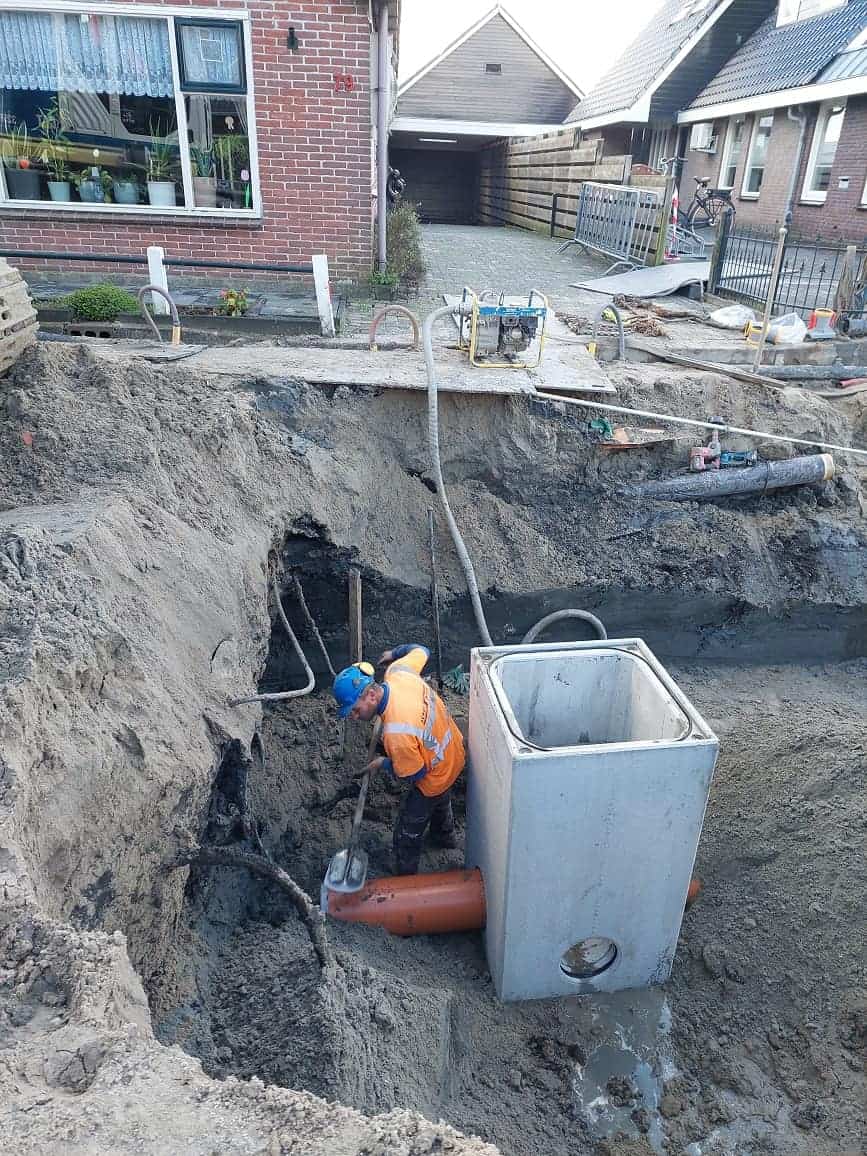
[{"x": 711, "y": 202}]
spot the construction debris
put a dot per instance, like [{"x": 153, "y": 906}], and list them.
[{"x": 18, "y": 321}]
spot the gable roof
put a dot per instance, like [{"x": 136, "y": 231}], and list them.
[
  {"x": 775, "y": 59},
  {"x": 642, "y": 66},
  {"x": 497, "y": 11}
]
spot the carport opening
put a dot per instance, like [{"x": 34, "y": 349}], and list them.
[{"x": 442, "y": 170}]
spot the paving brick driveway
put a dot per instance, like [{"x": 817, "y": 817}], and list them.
[{"x": 489, "y": 257}]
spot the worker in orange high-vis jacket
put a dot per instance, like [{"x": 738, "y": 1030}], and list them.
[{"x": 422, "y": 743}]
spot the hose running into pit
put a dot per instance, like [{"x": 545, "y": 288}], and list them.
[
  {"x": 436, "y": 466},
  {"x": 549, "y": 619},
  {"x": 282, "y": 695}
]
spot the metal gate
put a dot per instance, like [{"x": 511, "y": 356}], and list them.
[{"x": 619, "y": 221}]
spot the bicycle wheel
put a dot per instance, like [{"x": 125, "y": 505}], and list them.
[{"x": 715, "y": 206}]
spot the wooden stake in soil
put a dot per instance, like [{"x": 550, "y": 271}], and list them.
[{"x": 356, "y": 642}]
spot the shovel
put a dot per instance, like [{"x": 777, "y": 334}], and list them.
[{"x": 347, "y": 870}]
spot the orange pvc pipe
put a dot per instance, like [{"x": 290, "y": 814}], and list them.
[{"x": 415, "y": 904}]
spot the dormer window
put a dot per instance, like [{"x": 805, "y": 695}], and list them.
[{"x": 791, "y": 11}]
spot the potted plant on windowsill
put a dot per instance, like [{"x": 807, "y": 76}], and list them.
[
  {"x": 204, "y": 178},
  {"x": 22, "y": 178},
  {"x": 160, "y": 160},
  {"x": 127, "y": 190},
  {"x": 55, "y": 151},
  {"x": 93, "y": 184}
]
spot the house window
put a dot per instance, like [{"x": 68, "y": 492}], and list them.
[
  {"x": 133, "y": 114},
  {"x": 734, "y": 146},
  {"x": 791, "y": 11},
  {"x": 496, "y": 69},
  {"x": 822, "y": 152},
  {"x": 701, "y": 138},
  {"x": 755, "y": 170},
  {"x": 210, "y": 55}
]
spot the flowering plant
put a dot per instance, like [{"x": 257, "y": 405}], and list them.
[{"x": 233, "y": 302}]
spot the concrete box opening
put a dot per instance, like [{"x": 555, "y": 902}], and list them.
[
  {"x": 589, "y": 776},
  {"x": 567, "y": 699}
]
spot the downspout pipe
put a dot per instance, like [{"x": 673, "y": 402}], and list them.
[
  {"x": 383, "y": 100},
  {"x": 799, "y": 117}
]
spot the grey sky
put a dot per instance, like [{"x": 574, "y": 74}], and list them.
[{"x": 582, "y": 36}]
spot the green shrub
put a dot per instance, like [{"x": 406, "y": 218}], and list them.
[
  {"x": 403, "y": 242},
  {"x": 383, "y": 277},
  {"x": 100, "y": 303}
]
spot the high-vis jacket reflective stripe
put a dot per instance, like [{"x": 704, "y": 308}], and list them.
[{"x": 419, "y": 734}]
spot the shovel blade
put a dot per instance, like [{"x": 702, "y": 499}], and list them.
[{"x": 347, "y": 871}]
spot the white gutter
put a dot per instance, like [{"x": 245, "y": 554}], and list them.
[
  {"x": 442, "y": 127},
  {"x": 806, "y": 94}
]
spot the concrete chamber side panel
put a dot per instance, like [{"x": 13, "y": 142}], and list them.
[
  {"x": 620, "y": 844},
  {"x": 489, "y": 798},
  {"x": 590, "y": 779}
]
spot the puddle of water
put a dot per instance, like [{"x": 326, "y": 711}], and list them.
[{"x": 631, "y": 1031}]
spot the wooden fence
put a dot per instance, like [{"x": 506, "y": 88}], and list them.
[{"x": 534, "y": 182}]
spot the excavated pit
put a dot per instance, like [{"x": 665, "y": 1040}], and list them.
[
  {"x": 134, "y": 535},
  {"x": 416, "y": 1021}
]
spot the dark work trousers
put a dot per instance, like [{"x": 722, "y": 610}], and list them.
[{"x": 417, "y": 810}]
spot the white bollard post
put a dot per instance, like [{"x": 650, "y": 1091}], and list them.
[
  {"x": 157, "y": 276},
  {"x": 323, "y": 295}
]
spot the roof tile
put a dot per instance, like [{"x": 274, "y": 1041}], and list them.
[
  {"x": 774, "y": 59},
  {"x": 657, "y": 43}
]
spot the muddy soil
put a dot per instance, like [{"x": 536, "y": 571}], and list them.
[{"x": 136, "y": 518}]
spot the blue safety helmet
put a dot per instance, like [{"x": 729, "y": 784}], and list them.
[{"x": 350, "y": 684}]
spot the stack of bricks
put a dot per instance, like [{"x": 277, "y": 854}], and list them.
[{"x": 314, "y": 130}]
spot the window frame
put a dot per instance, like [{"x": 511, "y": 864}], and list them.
[
  {"x": 746, "y": 194},
  {"x": 169, "y": 13},
  {"x": 192, "y": 86},
  {"x": 817, "y": 196},
  {"x": 728, "y": 147}
]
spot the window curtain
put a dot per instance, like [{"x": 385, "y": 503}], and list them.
[
  {"x": 56, "y": 52},
  {"x": 211, "y": 54}
]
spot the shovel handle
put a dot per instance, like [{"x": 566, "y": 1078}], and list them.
[{"x": 362, "y": 795}]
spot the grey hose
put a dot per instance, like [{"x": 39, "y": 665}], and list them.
[
  {"x": 621, "y": 339},
  {"x": 585, "y": 615},
  {"x": 284, "y": 694},
  {"x": 436, "y": 465},
  {"x": 176, "y": 323},
  {"x": 311, "y": 624}
]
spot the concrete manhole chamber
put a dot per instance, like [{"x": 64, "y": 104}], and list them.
[{"x": 590, "y": 773}]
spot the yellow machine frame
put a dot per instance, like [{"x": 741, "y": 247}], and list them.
[{"x": 470, "y": 342}]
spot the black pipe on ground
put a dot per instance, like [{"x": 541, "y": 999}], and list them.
[{"x": 803, "y": 471}]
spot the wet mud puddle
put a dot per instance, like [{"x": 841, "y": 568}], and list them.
[{"x": 618, "y": 1088}]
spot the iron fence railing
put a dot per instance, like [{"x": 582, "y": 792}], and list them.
[{"x": 809, "y": 274}]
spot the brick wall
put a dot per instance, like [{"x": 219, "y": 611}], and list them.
[
  {"x": 315, "y": 159},
  {"x": 842, "y": 214}
]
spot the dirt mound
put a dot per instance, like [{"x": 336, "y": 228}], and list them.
[{"x": 136, "y": 518}]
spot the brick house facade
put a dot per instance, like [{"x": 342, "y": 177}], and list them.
[
  {"x": 310, "y": 175},
  {"x": 844, "y": 212}
]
